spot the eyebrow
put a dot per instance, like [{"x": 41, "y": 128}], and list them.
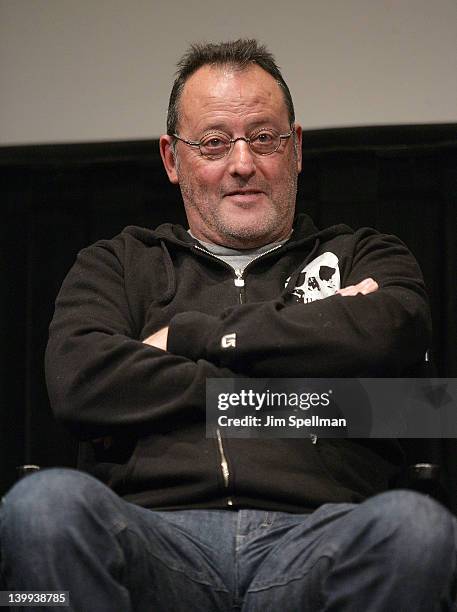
[{"x": 223, "y": 127}]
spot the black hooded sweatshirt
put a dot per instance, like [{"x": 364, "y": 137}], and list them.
[{"x": 140, "y": 411}]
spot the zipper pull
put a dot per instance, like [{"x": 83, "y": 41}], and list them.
[{"x": 239, "y": 282}]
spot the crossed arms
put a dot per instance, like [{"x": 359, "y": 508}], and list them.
[
  {"x": 368, "y": 285},
  {"x": 103, "y": 378}
]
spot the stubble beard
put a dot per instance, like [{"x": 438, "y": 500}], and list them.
[{"x": 273, "y": 224}]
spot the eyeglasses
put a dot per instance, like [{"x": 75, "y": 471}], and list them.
[{"x": 216, "y": 145}]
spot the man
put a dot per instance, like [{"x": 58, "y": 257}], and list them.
[{"x": 194, "y": 523}]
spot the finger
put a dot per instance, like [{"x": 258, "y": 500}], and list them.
[
  {"x": 350, "y": 290},
  {"x": 368, "y": 286}
]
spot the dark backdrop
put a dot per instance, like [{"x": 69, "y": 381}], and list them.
[{"x": 57, "y": 199}]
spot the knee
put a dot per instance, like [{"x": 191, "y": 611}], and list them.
[
  {"x": 418, "y": 527},
  {"x": 53, "y": 518},
  {"x": 409, "y": 509},
  {"x": 45, "y": 501}
]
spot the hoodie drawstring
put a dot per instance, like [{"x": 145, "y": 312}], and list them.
[{"x": 170, "y": 291}]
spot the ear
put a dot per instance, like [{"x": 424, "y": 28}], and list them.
[
  {"x": 298, "y": 146},
  {"x": 168, "y": 158}
]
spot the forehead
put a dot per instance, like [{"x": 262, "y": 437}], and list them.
[{"x": 225, "y": 94}]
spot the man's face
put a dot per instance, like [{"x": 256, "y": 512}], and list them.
[{"x": 242, "y": 200}]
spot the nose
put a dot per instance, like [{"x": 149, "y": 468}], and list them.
[{"x": 241, "y": 160}]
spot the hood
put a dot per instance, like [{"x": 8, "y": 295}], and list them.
[
  {"x": 304, "y": 234},
  {"x": 303, "y": 230}
]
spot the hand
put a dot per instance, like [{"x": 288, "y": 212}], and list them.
[
  {"x": 158, "y": 339},
  {"x": 368, "y": 285}
]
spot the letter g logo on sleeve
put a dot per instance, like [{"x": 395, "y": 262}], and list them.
[{"x": 228, "y": 341}]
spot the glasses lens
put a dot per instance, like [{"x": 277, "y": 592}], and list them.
[
  {"x": 265, "y": 142},
  {"x": 215, "y": 145}
]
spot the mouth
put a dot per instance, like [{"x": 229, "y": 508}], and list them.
[
  {"x": 243, "y": 192},
  {"x": 246, "y": 196}
]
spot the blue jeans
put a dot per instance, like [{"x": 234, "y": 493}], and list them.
[{"x": 64, "y": 530}]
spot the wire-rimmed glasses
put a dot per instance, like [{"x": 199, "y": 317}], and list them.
[{"x": 216, "y": 145}]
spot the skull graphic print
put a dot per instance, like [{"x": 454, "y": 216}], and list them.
[{"x": 318, "y": 280}]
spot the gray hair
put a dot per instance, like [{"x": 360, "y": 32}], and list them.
[{"x": 240, "y": 54}]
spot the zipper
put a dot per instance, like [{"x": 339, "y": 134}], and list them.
[
  {"x": 224, "y": 465},
  {"x": 222, "y": 457},
  {"x": 239, "y": 280},
  {"x": 240, "y": 284}
]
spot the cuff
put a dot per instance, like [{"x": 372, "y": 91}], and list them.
[{"x": 189, "y": 334}]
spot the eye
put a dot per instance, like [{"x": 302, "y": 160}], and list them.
[
  {"x": 214, "y": 146},
  {"x": 265, "y": 141},
  {"x": 214, "y": 141},
  {"x": 263, "y": 137}
]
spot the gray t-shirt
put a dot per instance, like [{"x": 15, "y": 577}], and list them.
[{"x": 235, "y": 258}]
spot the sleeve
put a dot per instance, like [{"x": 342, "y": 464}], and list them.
[
  {"x": 100, "y": 378},
  {"x": 380, "y": 334}
]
